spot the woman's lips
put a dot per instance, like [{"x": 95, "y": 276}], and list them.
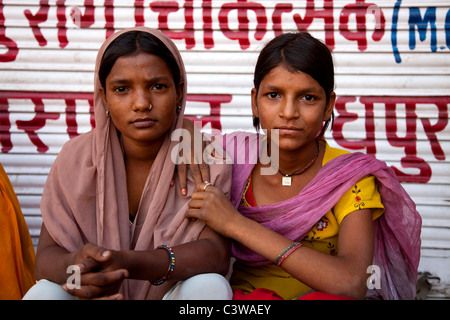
[
  {"x": 144, "y": 123},
  {"x": 288, "y": 130}
]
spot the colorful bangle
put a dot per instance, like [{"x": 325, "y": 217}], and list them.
[
  {"x": 286, "y": 253},
  {"x": 171, "y": 265}
]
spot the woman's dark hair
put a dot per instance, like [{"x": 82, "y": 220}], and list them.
[
  {"x": 297, "y": 52},
  {"x": 134, "y": 42}
]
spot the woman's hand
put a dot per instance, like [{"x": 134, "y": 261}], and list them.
[
  {"x": 100, "y": 274},
  {"x": 210, "y": 204},
  {"x": 197, "y": 165}
]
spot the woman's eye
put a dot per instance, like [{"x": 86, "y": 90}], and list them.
[
  {"x": 120, "y": 89},
  {"x": 158, "y": 86}
]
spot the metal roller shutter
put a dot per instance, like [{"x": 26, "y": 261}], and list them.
[{"x": 392, "y": 79}]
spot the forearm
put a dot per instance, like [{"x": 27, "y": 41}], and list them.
[
  {"x": 256, "y": 237},
  {"x": 51, "y": 259},
  {"x": 196, "y": 257},
  {"x": 51, "y": 264},
  {"x": 332, "y": 274},
  {"x": 340, "y": 275}
]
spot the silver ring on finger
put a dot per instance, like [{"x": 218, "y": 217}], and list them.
[{"x": 206, "y": 184}]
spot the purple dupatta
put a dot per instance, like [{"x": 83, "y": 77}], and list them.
[{"x": 397, "y": 231}]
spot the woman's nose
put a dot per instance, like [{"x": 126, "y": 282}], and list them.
[
  {"x": 289, "y": 109},
  {"x": 142, "y": 101}
]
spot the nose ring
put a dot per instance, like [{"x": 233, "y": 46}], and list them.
[{"x": 150, "y": 107}]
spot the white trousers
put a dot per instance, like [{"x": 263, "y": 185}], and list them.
[{"x": 207, "y": 286}]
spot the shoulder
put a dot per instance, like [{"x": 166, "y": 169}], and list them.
[
  {"x": 363, "y": 195},
  {"x": 239, "y": 137},
  {"x": 331, "y": 153},
  {"x": 242, "y": 146},
  {"x": 74, "y": 168},
  {"x": 80, "y": 144},
  {"x": 76, "y": 152}
]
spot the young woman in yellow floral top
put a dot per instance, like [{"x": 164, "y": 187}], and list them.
[
  {"x": 325, "y": 215},
  {"x": 323, "y": 237}
]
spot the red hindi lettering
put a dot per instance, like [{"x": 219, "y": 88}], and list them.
[
  {"x": 242, "y": 7},
  {"x": 35, "y": 19},
  {"x": 5, "y": 126},
  {"x": 280, "y": 8},
  {"x": 40, "y": 119},
  {"x": 71, "y": 116},
  {"x": 11, "y": 45},
  {"x": 38, "y": 122},
  {"x": 344, "y": 116},
  {"x": 215, "y": 101},
  {"x": 81, "y": 20},
  {"x": 440, "y": 125},
  {"x": 139, "y": 13},
  {"x": 109, "y": 17},
  {"x": 360, "y": 9},
  {"x": 408, "y": 142},
  {"x": 326, "y": 14},
  {"x": 61, "y": 25},
  {"x": 164, "y": 8},
  {"x": 84, "y": 20},
  {"x": 208, "y": 39}
]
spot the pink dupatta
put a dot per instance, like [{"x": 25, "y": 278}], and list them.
[{"x": 397, "y": 231}]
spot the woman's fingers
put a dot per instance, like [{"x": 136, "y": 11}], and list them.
[
  {"x": 182, "y": 177},
  {"x": 98, "y": 284},
  {"x": 204, "y": 170},
  {"x": 201, "y": 199},
  {"x": 90, "y": 256}
]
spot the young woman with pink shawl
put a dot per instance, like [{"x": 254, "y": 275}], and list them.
[
  {"x": 109, "y": 206},
  {"x": 335, "y": 223}
]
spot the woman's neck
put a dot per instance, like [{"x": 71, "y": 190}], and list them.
[
  {"x": 141, "y": 152},
  {"x": 292, "y": 160},
  {"x": 139, "y": 159},
  {"x": 271, "y": 188}
]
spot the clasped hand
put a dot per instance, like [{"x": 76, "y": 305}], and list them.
[{"x": 100, "y": 274}]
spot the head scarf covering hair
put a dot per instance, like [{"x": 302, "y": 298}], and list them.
[{"x": 85, "y": 197}]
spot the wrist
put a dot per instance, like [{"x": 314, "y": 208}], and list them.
[
  {"x": 148, "y": 265},
  {"x": 127, "y": 259},
  {"x": 235, "y": 227},
  {"x": 171, "y": 256}
]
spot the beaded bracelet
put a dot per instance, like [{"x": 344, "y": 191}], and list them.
[
  {"x": 286, "y": 253},
  {"x": 171, "y": 265}
]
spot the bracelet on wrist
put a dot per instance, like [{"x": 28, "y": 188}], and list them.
[
  {"x": 286, "y": 253},
  {"x": 169, "y": 269}
]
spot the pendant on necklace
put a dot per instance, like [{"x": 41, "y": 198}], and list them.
[{"x": 286, "y": 181}]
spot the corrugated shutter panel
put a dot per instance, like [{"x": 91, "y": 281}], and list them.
[{"x": 392, "y": 79}]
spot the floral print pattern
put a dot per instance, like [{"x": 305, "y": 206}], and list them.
[{"x": 359, "y": 204}]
